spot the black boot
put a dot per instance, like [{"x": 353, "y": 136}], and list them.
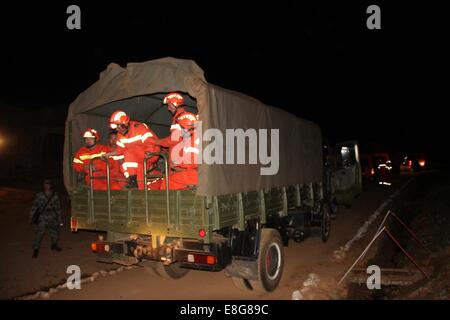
[
  {"x": 56, "y": 248},
  {"x": 132, "y": 182},
  {"x": 35, "y": 253}
]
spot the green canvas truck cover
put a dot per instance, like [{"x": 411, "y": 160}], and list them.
[{"x": 139, "y": 89}]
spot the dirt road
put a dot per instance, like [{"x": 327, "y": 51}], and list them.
[{"x": 20, "y": 275}]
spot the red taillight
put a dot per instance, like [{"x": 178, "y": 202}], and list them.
[
  {"x": 409, "y": 163},
  {"x": 202, "y": 259},
  {"x": 73, "y": 225},
  {"x": 372, "y": 172},
  {"x": 199, "y": 258},
  {"x": 210, "y": 260},
  {"x": 201, "y": 233},
  {"x": 97, "y": 247},
  {"x": 422, "y": 163}
]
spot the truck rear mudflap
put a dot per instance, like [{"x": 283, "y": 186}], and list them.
[{"x": 191, "y": 254}]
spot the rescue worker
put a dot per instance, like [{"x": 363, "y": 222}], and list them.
[
  {"x": 117, "y": 161},
  {"x": 112, "y": 142},
  {"x": 134, "y": 140},
  {"x": 183, "y": 145},
  {"x": 383, "y": 173},
  {"x": 84, "y": 155},
  {"x": 154, "y": 175},
  {"x": 47, "y": 216}
]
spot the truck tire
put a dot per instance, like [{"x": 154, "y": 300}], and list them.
[
  {"x": 172, "y": 271},
  {"x": 270, "y": 262},
  {"x": 241, "y": 284},
  {"x": 326, "y": 222}
]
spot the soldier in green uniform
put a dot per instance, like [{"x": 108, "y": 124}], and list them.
[{"x": 46, "y": 215}]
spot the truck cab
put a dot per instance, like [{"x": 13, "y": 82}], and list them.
[{"x": 348, "y": 181}]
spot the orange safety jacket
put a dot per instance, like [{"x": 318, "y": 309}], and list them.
[
  {"x": 184, "y": 155},
  {"x": 177, "y": 127},
  {"x": 83, "y": 156},
  {"x": 133, "y": 145}
]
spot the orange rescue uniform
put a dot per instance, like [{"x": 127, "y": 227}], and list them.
[
  {"x": 115, "y": 171},
  {"x": 81, "y": 164},
  {"x": 183, "y": 152},
  {"x": 133, "y": 145}
]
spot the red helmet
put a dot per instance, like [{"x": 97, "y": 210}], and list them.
[
  {"x": 187, "y": 120},
  {"x": 117, "y": 118},
  {"x": 174, "y": 99},
  {"x": 91, "y": 133}
]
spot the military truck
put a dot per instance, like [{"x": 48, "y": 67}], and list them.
[{"x": 236, "y": 218}]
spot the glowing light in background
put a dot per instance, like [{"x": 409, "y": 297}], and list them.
[{"x": 2, "y": 141}]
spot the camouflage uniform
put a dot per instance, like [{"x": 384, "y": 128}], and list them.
[{"x": 49, "y": 220}]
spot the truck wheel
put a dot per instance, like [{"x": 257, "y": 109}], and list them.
[
  {"x": 326, "y": 222},
  {"x": 172, "y": 271},
  {"x": 270, "y": 262},
  {"x": 241, "y": 284}
]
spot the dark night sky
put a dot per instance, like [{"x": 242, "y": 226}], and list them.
[{"x": 317, "y": 60}]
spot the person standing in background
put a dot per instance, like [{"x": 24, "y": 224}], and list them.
[{"x": 46, "y": 215}]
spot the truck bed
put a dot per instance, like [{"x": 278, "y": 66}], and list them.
[{"x": 133, "y": 212}]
